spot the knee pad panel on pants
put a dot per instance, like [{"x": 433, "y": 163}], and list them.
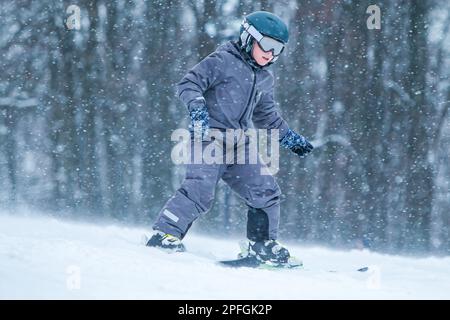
[{"x": 263, "y": 196}]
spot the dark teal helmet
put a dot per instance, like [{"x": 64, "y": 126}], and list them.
[{"x": 269, "y": 27}]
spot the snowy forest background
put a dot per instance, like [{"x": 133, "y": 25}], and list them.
[{"x": 86, "y": 115}]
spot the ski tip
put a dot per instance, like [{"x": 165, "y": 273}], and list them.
[
  {"x": 363, "y": 269},
  {"x": 144, "y": 239},
  {"x": 294, "y": 262}
]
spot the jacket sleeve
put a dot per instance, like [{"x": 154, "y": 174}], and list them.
[
  {"x": 267, "y": 116},
  {"x": 200, "y": 78}
]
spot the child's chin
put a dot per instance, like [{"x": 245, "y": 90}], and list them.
[{"x": 262, "y": 63}]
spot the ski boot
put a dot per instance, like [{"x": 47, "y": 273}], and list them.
[
  {"x": 165, "y": 241},
  {"x": 269, "y": 253}
]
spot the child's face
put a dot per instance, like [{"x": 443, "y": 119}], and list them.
[{"x": 262, "y": 58}]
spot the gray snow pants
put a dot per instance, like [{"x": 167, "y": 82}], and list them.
[{"x": 196, "y": 194}]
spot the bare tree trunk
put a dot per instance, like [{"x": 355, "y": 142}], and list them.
[
  {"x": 419, "y": 194},
  {"x": 63, "y": 128},
  {"x": 205, "y": 18},
  {"x": 89, "y": 178},
  {"x": 11, "y": 151}
]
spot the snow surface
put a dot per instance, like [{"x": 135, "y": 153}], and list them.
[{"x": 42, "y": 257}]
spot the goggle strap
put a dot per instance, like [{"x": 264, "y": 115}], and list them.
[{"x": 252, "y": 30}]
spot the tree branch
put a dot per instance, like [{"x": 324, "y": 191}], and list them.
[
  {"x": 404, "y": 96},
  {"x": 440, "y": 125}
]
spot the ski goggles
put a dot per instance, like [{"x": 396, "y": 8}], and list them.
[{"x": 266, "y": 43}]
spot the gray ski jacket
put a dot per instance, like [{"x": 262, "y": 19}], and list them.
[{"x": 237, "y": 95}]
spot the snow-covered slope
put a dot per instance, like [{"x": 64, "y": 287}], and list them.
[{"x": 41, "y": 257}]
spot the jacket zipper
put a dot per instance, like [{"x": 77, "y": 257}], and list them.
[{"x": 249, "y": 102}]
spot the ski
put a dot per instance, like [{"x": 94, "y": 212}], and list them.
[
  {"x": 249, "y": 262},
  {"x": 253, "y": 262}
]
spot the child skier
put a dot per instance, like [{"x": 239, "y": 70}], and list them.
[{"x": 232, "y": 89}]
